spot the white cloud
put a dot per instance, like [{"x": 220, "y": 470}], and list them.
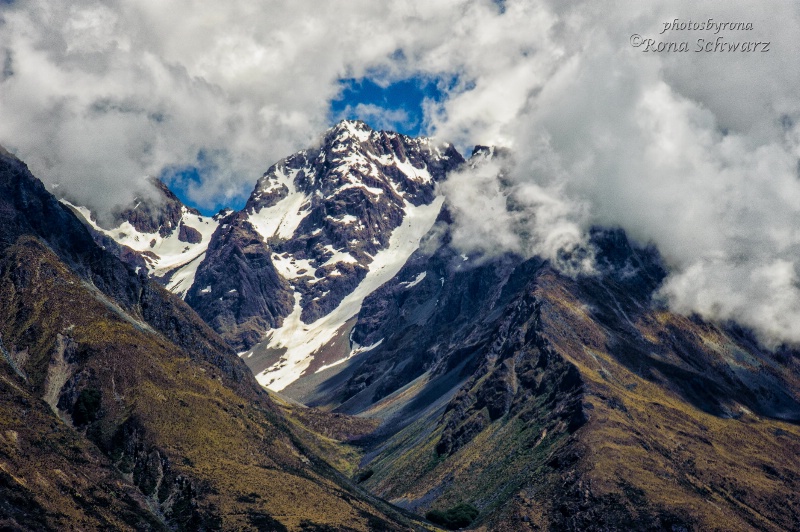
[
  {"x": 379, "y": 117},
  {"x": 495, "y": 213},
  {"x": 104, "y": 93},
  {"x": 695, "y": 152}
]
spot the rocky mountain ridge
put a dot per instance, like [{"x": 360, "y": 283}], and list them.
[
  {"x": 323, "y": 225},
  {"x": 157, "y": 234},
  {"x": 552, "y": 402}
]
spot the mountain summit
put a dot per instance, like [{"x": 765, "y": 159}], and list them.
[
  {"x": 339, "y": 221},
  {"x": 121, "y": 410}
]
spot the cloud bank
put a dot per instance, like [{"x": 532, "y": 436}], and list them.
[
  {"x": 696, "y": 152},
  {"x": 97, "y": 95}
]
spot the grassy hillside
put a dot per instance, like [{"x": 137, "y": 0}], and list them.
[
  {"x": 202, "y": 455},
  {"x": 122, "y": 410}
]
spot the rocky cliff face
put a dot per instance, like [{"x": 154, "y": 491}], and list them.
[
  {"x": 156, "y": 234},
  {"x": 501, "y": 387},
  {"x": 326, "y": 212},
  {"x": 161, "y": 214},
  {"x": 237, "y": 289},
  {"x": 315, "y": 226}
]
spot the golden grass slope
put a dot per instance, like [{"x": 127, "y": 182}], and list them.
[
  {"x": 679, "y": 432},
  {"x": 647, "y": 443},
  {"x": 164, "y": 418}
]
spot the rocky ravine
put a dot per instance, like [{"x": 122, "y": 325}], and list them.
[
  {"x": 502, "y": 385},
  {"x": 554, "y": 402}
]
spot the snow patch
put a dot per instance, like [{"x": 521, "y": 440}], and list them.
[
  {"x": 413, "y": 173},
  {"x": 355, "y": 350},
  {"x": 292, "y": 268},
  {"x": 372, "y": 190},
  {"x": 164, "y": 254},
  {"x": 338, "y": 256},
  {"x": 347, "y": 219},
  {"x": 302, "y": 340},
  {"x": 183, "y": 279},
  {"x": 282, "y": 218},
  {"x": 415, "y": 282}
]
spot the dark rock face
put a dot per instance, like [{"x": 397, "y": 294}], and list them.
[
  {"x": 124, "y": 253},
  {"x": 505, "y": 368},
  {"x": 161, "y": 214},
  {"x": 439, "y": 323},
  {"x": 26, "y": 208},
  {"x": 151, "y": 471},
  {"x": 189, "y": 234},
  {"x": 623, "y": 293},
  {"x": 356, "y": 187},
  {"x": 121, "y": 408},
  {"x": 237, "y": 289}
]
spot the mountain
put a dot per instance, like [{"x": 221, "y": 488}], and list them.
[
  {"x": 322, "y": 229},
  {"x": 339, "y": 221},
  {"x": 546, "y": 401},
  {"x": 121, "y": 409},
  {"x": 495, "y": 392}
]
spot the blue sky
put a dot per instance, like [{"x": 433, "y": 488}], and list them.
[{"x": 398, "y": 105}]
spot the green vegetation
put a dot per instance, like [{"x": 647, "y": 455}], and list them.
[
  {"x": 647, "y": 456},
  {"x": 454, "y": 518},
  {"x": 213, "y": 455}
]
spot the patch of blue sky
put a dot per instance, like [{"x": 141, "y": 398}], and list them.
[
  {"x": 396, "y": 106},
  {"x": 185, "y": 180}
]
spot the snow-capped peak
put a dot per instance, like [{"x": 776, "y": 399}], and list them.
[{"x": 334, "y": 217}]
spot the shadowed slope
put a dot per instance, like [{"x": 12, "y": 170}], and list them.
[{"x": 568, "y": 404}]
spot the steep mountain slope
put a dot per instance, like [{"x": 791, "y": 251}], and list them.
[
  {"x": 157, "y": 234},
  {"x": 496, "y": 386},
  {"x": 122, "y": 409},
  {"x": 556, "y": 403}
]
